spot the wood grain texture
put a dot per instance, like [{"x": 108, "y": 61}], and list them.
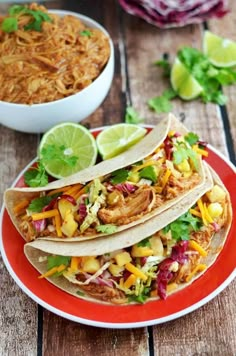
[
  {"x": 18, "y": 313},
  {"x": 226, "y": 29}
]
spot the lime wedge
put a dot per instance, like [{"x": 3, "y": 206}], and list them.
[
  {"x": 66, "y": 149},
  {"x": 220, "y": 51},
  {"x": 183, "y": 82},
  {"x": 118, "y": 138}
]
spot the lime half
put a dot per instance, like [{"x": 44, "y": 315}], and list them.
[
  {"x": 183, "y": 82},
  {"x": 66, "y": 149},
  {"x": 220, "y": 51},
  {"x": 118, "y": 138}
]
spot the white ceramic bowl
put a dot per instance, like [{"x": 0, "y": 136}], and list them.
[{"x": 38, "y": 118}]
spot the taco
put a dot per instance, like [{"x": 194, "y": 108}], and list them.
[
  {"x": 116, "y": 194},
  {"x": 161, "y": 256}
]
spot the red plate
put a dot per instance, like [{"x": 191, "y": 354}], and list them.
[{"x": 198, "y": 293}]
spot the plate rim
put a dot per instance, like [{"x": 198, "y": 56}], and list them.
[{"x": 102, "y": 324}]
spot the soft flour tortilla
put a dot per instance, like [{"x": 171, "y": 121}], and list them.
[
  {"x": 38, "y": 250},
  {"x": 141, "y": 150}
]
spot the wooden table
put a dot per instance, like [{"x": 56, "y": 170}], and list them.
[{"x": 28, "y": 329}]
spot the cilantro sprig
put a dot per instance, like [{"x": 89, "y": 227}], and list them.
[
  {"x": 10, "y": 24},
  {"x": 36, "y": 176},
  {"x": 119, "y": 176},
  {"x": 210, "y": 77},
  {"x": 59, "y": 154},
  {"x": 182, "y": 227},
  {"x": 132, "y": 116},
  {"x": 183, "y": 152},
  {"x": 148, "y": 173},
  {"x": 37, "y": 204}
]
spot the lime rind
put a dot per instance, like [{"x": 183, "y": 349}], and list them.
[
  {"x": 118, "y": 138},
  {"x": 183, "y": 82},
  {"x": 220, "y": 51},
  {"x": 75, "y": 137}
]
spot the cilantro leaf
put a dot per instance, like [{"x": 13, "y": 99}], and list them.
[
  {"x": 59, "y": 153},
  {"x": 37, "y": 204},
  {"x": 9, "y": 24},
  {"x": 162, "y": 103},
  {"x": 131, "y": 116},
  {"x": 142, "y": 297},
  {"x": 182, "y": 227},
  {"x": 56, "y": 261},
  {"x": 144, "y": 243},
  {"x": 36, "y": 176},
  {"x": 80, "y": 293},
  {"x": 191, "y": 138},
  {"x": 107, "y": 228},
  {"x": 148, "y": 173},
  {"x": 182, "y": 152},
  {"x": 119, "y": 176},
  {"x": 86, "y": 33}
]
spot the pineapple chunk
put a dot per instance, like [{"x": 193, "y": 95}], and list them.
[
  {"x": 63, "y": 206},
  {"x": 156, "y": 245},
  {"x": 216, "y": 194},
  {"x": 115, "y": 270},
  {"x": 90, "y": 264},
  {"x": 69, "y": 224},
  {"x": 141, "y": 251},
  {"x": 134, "y": 177},
  {"x": 215, "y": 210},
  {"x": 122, "y": 258},
  {"x": 184, "y": 166}
]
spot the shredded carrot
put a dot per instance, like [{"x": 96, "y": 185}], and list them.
[
  {"x": 195, "y": 246},
  {"x": 121, "y": 282},
  {"x": 158, "y": 190},
  {"x": 165, "y": 178},
  {"x": 200, "y": 151},
  {"x": 74, "y": 189},
  {"x": 199, "y": 268},
  {"x": 153, "y": 293},
  {"x": 195, "y": 212},
  {"x": 131, "y": 268},
  {"x": 74, "y": 264},
  {"x": 208, "y": 216},
  {"x": 52, "y": 271},
  {"x": 171, "y": 286},
  {"x": 82, "y": 191},
  {"x": 45, "y": 214},
  {"x": 59, "y": 190},
  {"x": 18, "y": 209},
  {"x": 48, "y": 273},
  {"x": 202, "y": 211},
  {"x": 58, "y": 225},
  {"x": 146, "y": 164},
  {"x": 130, "y": 281}
]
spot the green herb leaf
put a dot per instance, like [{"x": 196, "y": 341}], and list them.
[
  {"x": 119, "y": 176},
  {"x": 162, "y": 103},
  {"x": 142, "y": 297},
  {"x": 132, "y": 117},
  {"x": 191, "y": 138},
  {"x": 182, "y": 152},
  {"x": 144, "y": 243},
  {"x": 9, "y": 24},
  {"x": 16, "y": 9},
  {"x": 80, "y": 293},
  {"x": 106, "y": 229},
  {"x": 37, "y": 204},
  {"x": 86, "y": 33},
  {"x": 52, "y": 152},
  {"x": 182, "y": 227},
  {"x": 148, "y": 173},
  {"x": 36, "y": 176},
  {"x": 56, "y": 261}
]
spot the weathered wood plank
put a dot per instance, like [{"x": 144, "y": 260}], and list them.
[
  {"x": 145, "y": 44},
  {"x": 18, "y": 313},
  {"x": 226, "y": 28},
  {"x": 75, "y": 339}
]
